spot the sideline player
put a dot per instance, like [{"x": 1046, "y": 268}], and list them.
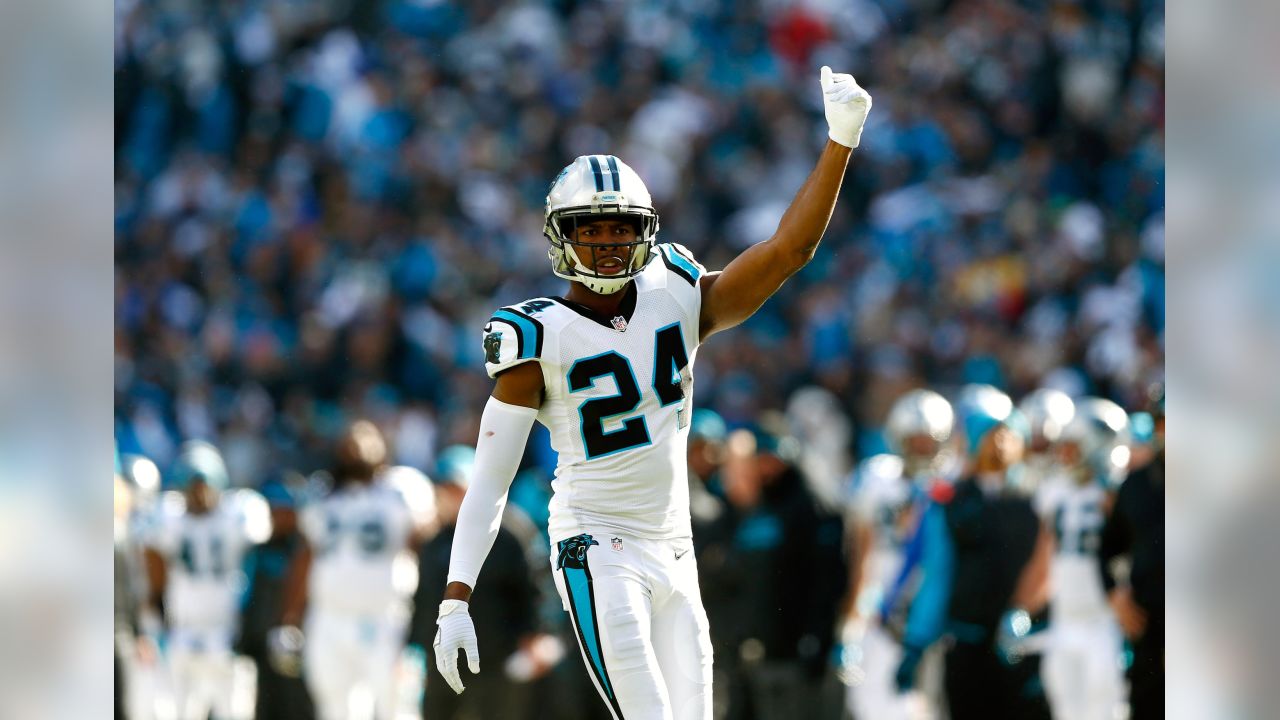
[
  {"x": 352, "y": 576},
  {"x": 890, "y": 494},
  {"x": 194, "y": 559},
  {"x": 1081, "y": 666},
  {"x": 608, "y": 369}
]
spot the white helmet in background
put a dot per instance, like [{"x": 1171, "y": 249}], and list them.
[
  {"x": 593, "y": 187},
  {"x": 1047, "y": 411},
  {"x": 1099, "y": 430},
  {"x": 920, "y": 414},
  {"x": 416, "y": 489}
]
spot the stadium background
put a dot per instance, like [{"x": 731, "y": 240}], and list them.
[{"x": 318, "y": 204}]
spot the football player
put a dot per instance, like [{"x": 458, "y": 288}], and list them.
[
  {"x": 890, "y": 492},
  {"x": 608, "y": 369},
  {"x": 984, "y": 566},
  {"x": 143, "y": 678},
  {"x": 194, "y": 557},
  {"x": 346, "y": 600},
  {"x": 1047, "y": 412},
  {"x": 1081, "y": 666}
]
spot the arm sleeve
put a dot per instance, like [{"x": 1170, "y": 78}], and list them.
[
  {"x": 928, "y": 613},
  {"x": 504, "y": 430}
]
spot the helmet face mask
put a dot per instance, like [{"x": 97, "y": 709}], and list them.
[{"x": 594, "y": 188}]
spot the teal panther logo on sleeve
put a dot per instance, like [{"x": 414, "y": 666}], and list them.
[{"x": 492, "y": 345}]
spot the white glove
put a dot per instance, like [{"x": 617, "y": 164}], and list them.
[
  {"x": 454, "y": 632},
  {"x": 847, "y": 106},
  {"x": 284, "y": 650}
]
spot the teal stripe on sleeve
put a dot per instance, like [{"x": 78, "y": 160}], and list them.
[
  {"x": 680, "y": 261},
  {"x": 529, "y": 333}
]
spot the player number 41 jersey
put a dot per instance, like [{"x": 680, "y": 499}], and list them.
[
  {"x": 204, "y": 555},
  {"x": 618, "y": 398}
]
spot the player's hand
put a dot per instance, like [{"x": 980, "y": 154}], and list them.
[
  {"x": 1014, "y": 627},
  {"x": 454, "y": 632},
  {"x": 284, "y": 650},
  {"x": 905, "y": 678},
  {"x": 847, "y": 106},
  {"x": 1132, "y": 618},
  {"x": 146, "y": 650}
]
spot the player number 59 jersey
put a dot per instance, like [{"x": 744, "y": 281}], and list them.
[
  {"x": 357, "y": 536},
  {"x": 618, "y": 397}
]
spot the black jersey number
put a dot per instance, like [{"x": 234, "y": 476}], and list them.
[
  {"x": 670, "y": 359},
  {"x": 213, "y": 563},
  {"x": 1082, "y": 534}
]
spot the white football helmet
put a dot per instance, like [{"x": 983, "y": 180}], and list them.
[
  {"x": 919, "y": 413},
  {"x": 1047, "y": 411},
  {"x": 590, "y": 187},
  {"x": 1100, "y": 432}
]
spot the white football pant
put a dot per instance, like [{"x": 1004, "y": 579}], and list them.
[
  {"x": 203, "y": 671},
  {"x": 1081, "y": 670},
  {"x": 343, "y": 652},
  {"x": 877, "y": 695},
  {"x": 637, "y": 611}
]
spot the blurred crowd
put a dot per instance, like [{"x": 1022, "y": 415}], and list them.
[{"x": 319, "y": 204}]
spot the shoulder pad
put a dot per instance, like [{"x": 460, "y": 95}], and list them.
[
  {"x": 879, "y": 468},
  {"x": 679, "y": 260},
  {"x": 513, "y": 335}
]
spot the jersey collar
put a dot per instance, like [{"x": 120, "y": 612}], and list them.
[{"x": 626, "y": 309}]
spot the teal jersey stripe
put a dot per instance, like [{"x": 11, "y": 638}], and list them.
[
  {"x": 680, "y": 261},
  {"x": 580, "y": 595},
  {"x": 529, "y": 333}
]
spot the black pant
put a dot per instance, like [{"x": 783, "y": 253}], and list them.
[
  {"x": 488, "y": 695},
  {"x": 981, "y": 687},
  {"x": 1146, "y": 676},
  {"x": 281, "y": 697},
  {"x": 119, "y": 686}
]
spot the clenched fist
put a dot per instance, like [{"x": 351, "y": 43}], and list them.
[{"x": 847, "y": 106}]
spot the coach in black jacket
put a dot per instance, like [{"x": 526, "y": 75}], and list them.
[{"x": 1135, "y": 528}]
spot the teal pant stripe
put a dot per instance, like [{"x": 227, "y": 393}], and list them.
[{"x": 580, "y": 597}]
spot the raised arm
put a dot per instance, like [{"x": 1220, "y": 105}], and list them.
[{"x": 734, "y": 294}]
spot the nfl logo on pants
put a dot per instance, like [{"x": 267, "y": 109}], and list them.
[{"x": 617, "y": 544}]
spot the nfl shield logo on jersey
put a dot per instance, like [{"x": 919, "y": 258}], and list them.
[
  {"x": 617, "y": 544},
  {"x": 619, "y": 323}
]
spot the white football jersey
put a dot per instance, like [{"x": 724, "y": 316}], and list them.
[
  {"x": 1075, "y": 513},
  {"x": 881, "y": 499},
  {"x": 359, "y": 536},
  {"x": 204, "y": 557},
  {"x": 618, "y": 397}
]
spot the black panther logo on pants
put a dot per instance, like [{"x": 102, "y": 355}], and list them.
[{"x": 573, "y": 552}]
